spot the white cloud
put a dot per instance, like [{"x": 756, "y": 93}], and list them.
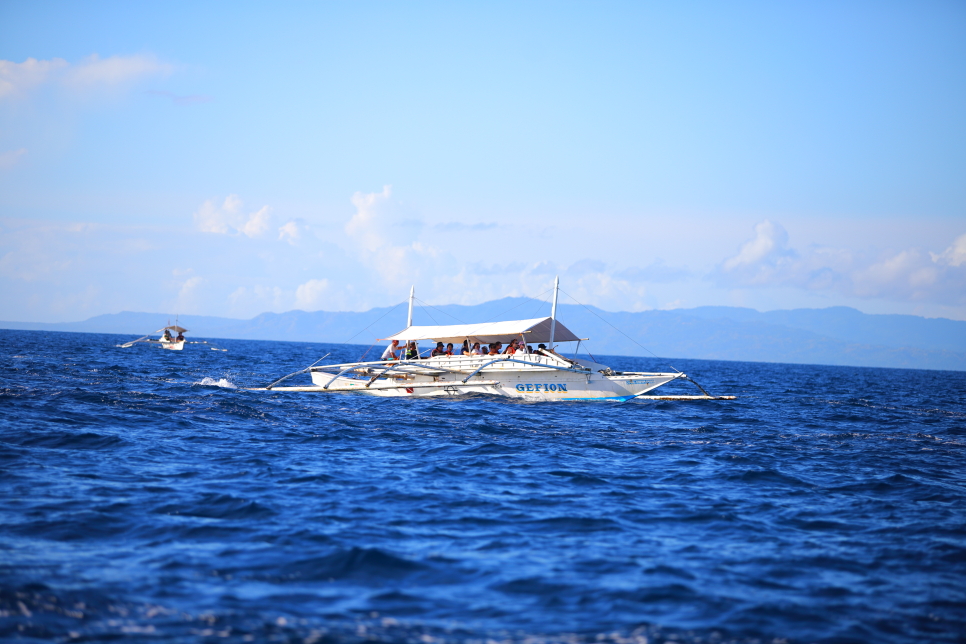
[
  {"x": 767, "y": 258},
  {"x": 47, "y": 269},
  {"x": 955, "y": 255},
  {"x": 258, "y": 223},
  {"x": 232, "y": 204},
  {"x": 310, "y": 295},
  {"x": 229, "y": 218},
  {"x": 770, "y": 242},
  {"x": 90, "y": 74},
  {"x": 17, "y": 79},
  {"x": 212, "y": 219},
  {"x": 386, "y": 241},
  {"x": 292, "y": 231},
  {"x": 10, "y": 158},
  {"x": 247, "y": 301},
  {"x": 189, "y": 296},
  {"x": 190, "y": 286},
  {"x": 94, "y": 71},
  {"x": 909, "y": 274},
  {"x": 370, "y": 224}
]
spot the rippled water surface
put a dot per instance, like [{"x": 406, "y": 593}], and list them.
[{"x": 145, "y": 495}]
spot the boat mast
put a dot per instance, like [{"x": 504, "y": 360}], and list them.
[
  {"x": 553, "y": 310},
  {"x": 412, "y": 294}
]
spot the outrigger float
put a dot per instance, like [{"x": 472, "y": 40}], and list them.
[{"x": 541, "y": 375}]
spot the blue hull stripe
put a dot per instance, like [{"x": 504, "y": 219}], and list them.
[{"x": 617, "y": 398}]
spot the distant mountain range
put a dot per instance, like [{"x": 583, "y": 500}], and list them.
[{"x": 831, "y": 336}]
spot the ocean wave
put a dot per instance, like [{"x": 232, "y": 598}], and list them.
[
  {"x": 69, "y": 440},
  {"x": 37, "y": 612},
  {"x": 218, "y": 506},
  {"x": 224, "y": 383}
]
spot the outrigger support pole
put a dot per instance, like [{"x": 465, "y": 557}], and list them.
[
  {"x": 553, "y": 310},
  {"x": 388, "y": 368},
  {"x": 485, "y": 364},
  {"x": 707, "y": 396},
  {"x": 703, "y": 390},
  {"x": 283, "y": 378}
]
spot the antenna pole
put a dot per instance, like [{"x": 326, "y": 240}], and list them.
[
  {"x": 412, "y": 294},
  {"x": 553, "y": 311}
]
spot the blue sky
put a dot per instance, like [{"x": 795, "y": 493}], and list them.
[{"x": 236, "y": 158}]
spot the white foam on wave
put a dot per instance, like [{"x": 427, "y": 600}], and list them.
[{"x": 224, "y": 383}]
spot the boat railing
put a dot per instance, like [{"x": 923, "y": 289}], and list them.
[
  {"x": 457, "y": 365},
  {"x": 509, "y": 359}
]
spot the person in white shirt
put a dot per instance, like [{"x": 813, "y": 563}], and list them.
[{"x": 391, "y": 351}]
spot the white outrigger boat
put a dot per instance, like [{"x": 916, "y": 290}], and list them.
[
  {"x": 540, "y": 375},
  {"x": 166, "y": 341}
]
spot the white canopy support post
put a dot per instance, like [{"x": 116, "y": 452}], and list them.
[
  {"x": 553, "y": 310},
  {"x": 412, "y": 295}
]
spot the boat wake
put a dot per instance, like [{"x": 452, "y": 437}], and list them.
[{"x": 224, "y": 383}]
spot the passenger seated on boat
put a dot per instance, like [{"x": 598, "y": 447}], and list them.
[
  {"x": 167, "y": 336},
  {"x": 449, "y": 349},
  {"x": 180, "y": 337},
  {"x": 391, "y": 352},
  {"x": 476, "y": 351},
  {"x": 438, "y": 351},
  {"x": 511, "y": 348},
  {"x": 465, "y": 349},
  {"x": 493, "y": 350}
]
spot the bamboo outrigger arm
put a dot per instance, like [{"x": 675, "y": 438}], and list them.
[
  {"x": 706, "y": 396},
  {"x": 308, "y": 368},
  {"x": 336, "y": 376},
  {"x": 382, "y": 373}
]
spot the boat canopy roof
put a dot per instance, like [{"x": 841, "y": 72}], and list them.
[
  {"x": 531, "y": 331},
  {"x": 176, "y": 328}
]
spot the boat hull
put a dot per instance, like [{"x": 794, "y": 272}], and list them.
[{"x": 503, "y": 380}]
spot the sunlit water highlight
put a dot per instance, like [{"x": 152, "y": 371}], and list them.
[{"x": 146, "y": 496}]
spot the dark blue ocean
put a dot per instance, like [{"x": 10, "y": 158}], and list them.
[{"x": 144, "y": 496}]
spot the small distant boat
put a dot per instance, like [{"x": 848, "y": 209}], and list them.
[
  {"x": 169, "y": 341},
  {"x": 540, "y": 374}
]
